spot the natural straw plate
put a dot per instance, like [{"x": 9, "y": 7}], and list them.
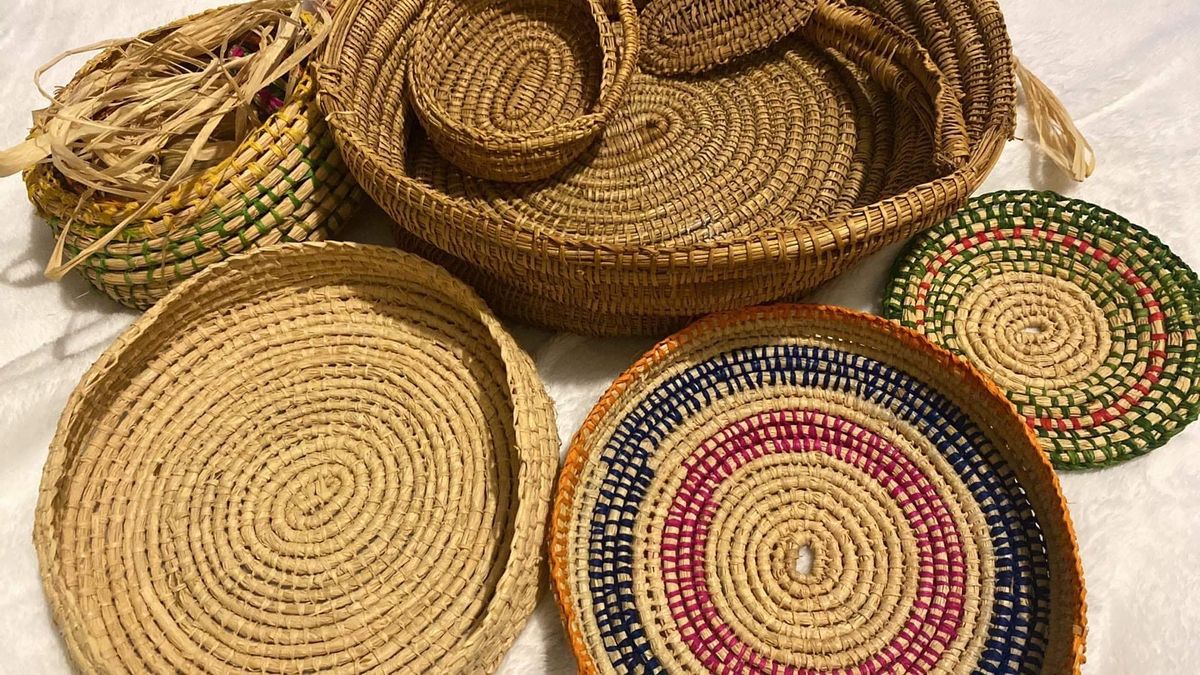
[
  {"x": 285, "y": 182},
  {"x": 757, "y": 180},
  {"x": 313, "y": 457},
  {"x": 1088, "y": 322},
  {"x": 802, "y": 489},
  {"x": 514, "y": 90}
]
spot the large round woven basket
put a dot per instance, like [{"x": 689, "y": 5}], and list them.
[
  {"x": 803, "y": 489},
  {"x": 753, "y": 181},
  {"x": 285, "y": 182},
  {"x": 311, "y": 457}
]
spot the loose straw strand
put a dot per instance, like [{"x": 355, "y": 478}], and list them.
[{"x": 1058, "y": 136}]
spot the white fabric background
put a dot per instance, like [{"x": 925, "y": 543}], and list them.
[{"x": 1130, "y": 74}]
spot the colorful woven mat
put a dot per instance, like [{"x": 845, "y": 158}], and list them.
[
  {"x": 1087, "y": 321},
  {"x": 798, "y": 489}
]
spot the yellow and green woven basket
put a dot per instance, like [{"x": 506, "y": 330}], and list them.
[{"x": 285, "y": 182}]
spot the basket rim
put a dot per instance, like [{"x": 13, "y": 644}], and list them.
[
  {"x": 578, "y": 453},
  {"x": 530, "y": 442},
  {"x": 662, "y": 55}
]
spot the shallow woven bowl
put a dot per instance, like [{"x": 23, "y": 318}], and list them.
[
  {"x": 936, "y": 534},
  {"x": 514, "y": 90},
  {"x": 312, "y": 457},
  {"x": 285, "y": 182},
  {"x": 695, "y": 198},
  {"x": 693, "y": 36}
]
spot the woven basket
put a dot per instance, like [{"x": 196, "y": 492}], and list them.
[
  {"x": 756, "y": 181},
  {"x": 285, "y": 182},
  {"x": 514, "y": 90},
  {"x": 801, "y": 489},
  {"x": 1088, "y": 322},
  {"x": 690, "y": 36},
  {"x": 312, "y": 457}
]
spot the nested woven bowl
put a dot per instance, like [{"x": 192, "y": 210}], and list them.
[
  {"x": 754, "y": 181},
  {"x": 802, "y": 489},
  {"x": 693, "y": 36},
  {"x": 312, "y": 457},
  {"x": 514, "y": 90},
  {"x": 285, "y": 182}
]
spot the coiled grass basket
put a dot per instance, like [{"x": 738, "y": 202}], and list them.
[
  {"x": 285, "y": 182},
  {"x": 756, "y": 180},
  {"x": 460, "y": 77},
  {"x": 313, "y": 457},
  {"x": 795, "y": 489}
]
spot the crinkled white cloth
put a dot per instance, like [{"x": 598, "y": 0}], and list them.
[{"x": 1130, "y": 74}]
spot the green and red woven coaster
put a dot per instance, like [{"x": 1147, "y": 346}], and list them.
[{"x": 1087, "y": 321}]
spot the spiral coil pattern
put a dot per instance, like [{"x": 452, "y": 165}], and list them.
[
  {"x": 322, "y": 457},
  {"x": 1087, "y": 321},
  {"x": 807, "y": 490}
]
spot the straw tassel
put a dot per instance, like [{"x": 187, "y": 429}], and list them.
[
  {"x": 22, "y": 155},
  {"x": 1058, "y": 137}
]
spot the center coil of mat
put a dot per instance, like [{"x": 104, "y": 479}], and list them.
[{"x": 780, "y": 491}]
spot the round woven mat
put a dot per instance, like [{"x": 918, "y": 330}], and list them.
[
  {"x": 799, "y": 489},
  {"x": 321, "y": 457},
  {"x": 796, "y": 129},
  {"x": 1087, "y": 321}
]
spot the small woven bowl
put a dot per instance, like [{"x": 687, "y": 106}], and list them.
[
  {"x": 513, "y": 90},
  {"x": 803, "y": 489},
  {"x": 319, "y": 457},
  {"x": 285, "y": 182},
  {"x": 693, "y": 36}
]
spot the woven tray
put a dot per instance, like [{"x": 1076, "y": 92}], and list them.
[
  {"x": 286, "y": 182},
  {"x": 313, "y": 457},
  {"x": 1087, "y": 321},
  {"x": 515, "y": 89},
  {"x": 755, "y": 181},
  {"x": 800, "y": 489}
]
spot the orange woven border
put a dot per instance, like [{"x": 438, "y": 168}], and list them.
[{"x": 568, "y": 480}]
